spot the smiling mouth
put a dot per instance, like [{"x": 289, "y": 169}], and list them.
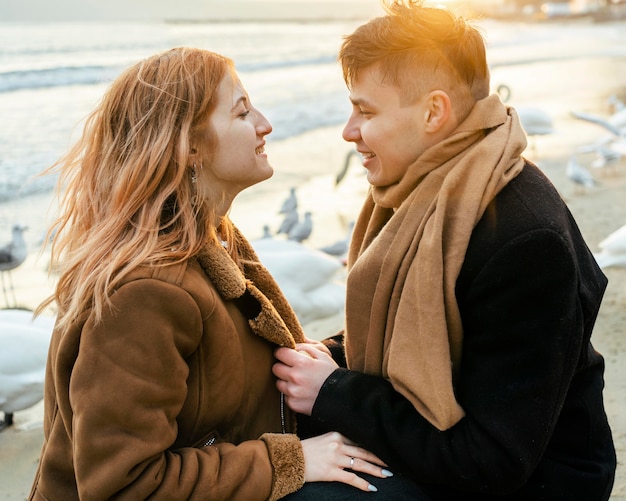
[
  {"x": 367, "y": 156},
  {"x": 260, "y": 150}
]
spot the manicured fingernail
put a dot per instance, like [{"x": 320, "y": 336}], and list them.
[
  {"x": 372, "y": 488},
  {"x": 387, "y": 473}
]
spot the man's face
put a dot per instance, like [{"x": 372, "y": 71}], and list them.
[{"x": 387, "y": 131}]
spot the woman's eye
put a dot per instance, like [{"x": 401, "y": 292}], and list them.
[
  {"x": 363, "y": 112},
  {"x": 244, "y": 114}
]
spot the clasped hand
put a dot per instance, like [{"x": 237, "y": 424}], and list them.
[{"x": 301, "y": 373}]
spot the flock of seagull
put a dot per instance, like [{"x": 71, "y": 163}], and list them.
[
  {"x": 311, "y": 278},
  {"x": 609, "y": 151},
  {"x": 308, "y": 277}
]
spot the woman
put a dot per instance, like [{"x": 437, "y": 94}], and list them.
[{"x": 159, "y": 381}]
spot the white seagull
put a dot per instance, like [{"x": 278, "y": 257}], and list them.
[
  {"x": 12, "y": 255},
  {"x": 346, "y": 164},
  {"x": 306, "y": 276},
  {"x": 605, "y": 155},
  {"x": 290, "y": 203},
  {"x": 340, "y": 247},
  {"x": 25, "y": 343},
  {"x": 302, "y": 230},
  {"x": 580, "y": 176},
  {"x": 290, "y": 220},
  {"x": 535, "y": 121},
  {"x": 615, "y": 124},
  {"x": 609, "y": 150},
  {"x": 612, "y": 249},
  {"x": 616, "y": 103}
]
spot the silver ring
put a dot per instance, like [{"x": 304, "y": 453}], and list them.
[{"x": 351, "y": 462}]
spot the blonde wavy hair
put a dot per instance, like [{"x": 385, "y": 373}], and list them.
[{"x": 126, "y": 191}]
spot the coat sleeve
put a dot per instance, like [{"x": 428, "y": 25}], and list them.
[
  {"x": 522, "y": 340},
  {"x": 128, "y": 386}
]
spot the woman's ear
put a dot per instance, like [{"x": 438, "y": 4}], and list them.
[
  {"x": 438, "y": 111},
  {"x": 193, "y": 155}
]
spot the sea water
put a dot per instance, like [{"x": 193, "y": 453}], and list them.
[{"x": 52, "y": 75}]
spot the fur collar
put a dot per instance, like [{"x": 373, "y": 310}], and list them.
[{"x": 254, "y": 290}]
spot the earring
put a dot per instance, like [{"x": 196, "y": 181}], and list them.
[{"x": 194, "y": 174}]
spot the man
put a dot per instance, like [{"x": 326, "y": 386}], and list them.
[{"x": 471, "y": 294}]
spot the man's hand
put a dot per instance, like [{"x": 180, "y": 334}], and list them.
[
  {"x": 317, "y": 344},
  {"x": 301, "y": 373}
]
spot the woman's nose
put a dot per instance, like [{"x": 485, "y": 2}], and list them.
[{"x": 263, "y": 126}]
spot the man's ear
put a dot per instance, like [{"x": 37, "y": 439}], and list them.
[{"x": 438, "y": 111}]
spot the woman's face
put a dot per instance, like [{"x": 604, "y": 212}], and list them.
[{"x": 238, "y": 159}]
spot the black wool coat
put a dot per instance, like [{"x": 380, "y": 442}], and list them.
[{"x": 530, "y": 381}]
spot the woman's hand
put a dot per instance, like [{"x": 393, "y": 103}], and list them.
[
  {"x": 333, "y": 458},
  {"x": 301, "y": 373}
]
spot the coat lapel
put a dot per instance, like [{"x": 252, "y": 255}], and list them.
[{"x": 254, "y": 291}]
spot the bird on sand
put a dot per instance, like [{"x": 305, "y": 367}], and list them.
[
  {"x": 606, "y": 157},
  {"x": 290, "y": 203},
  {"x": 616, "y": 104},
  {"x": 613, "y": 124},
  {"x": 12, "y": 255},
  {"x": 608, "y": 149},
  {"x": 302, "y": 230},
  {"x": 289, "y": 221},
  {"x": 346, "y": 165},
  {"x": 340, "y": 247},
  {"x": 579, "y": 175},
  {"x": 612, "y": 249},
  {"x": 535, "y": 121},
  {"x": 306, "y": 276},
  {"x": 23, "y": 357}
]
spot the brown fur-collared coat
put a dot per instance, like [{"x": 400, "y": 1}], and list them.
[{"x": 171, "y": 396}]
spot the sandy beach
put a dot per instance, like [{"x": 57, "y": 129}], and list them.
[{"x": 598, "y": 211}]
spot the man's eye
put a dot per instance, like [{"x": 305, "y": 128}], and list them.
[{"x": 244, "y": 114}]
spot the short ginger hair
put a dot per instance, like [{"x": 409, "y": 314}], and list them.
[{"x": 420, "y": 48}]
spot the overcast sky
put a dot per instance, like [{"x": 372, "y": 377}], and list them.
[{"x": 151, "y": 10}]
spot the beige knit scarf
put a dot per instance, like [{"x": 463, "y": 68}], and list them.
[{"x": 408, "y": 246}]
